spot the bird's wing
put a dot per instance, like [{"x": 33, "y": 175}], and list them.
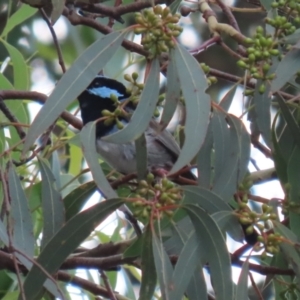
[{"x": 165, "y": 138}]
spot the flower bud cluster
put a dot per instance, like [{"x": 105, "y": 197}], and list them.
[
  {"x": 158, "y": 28},
  {"x": 156, "y": 198},
  {"x": 259, "y": 58}
]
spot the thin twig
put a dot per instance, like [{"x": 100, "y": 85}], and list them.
[
  {"x": 107, "y": 285},
  {"x": 55, "y": 41},
  {"x": 6, "y": 195},
  {"x": 41, "y": 268},
  {"x": 255, "y": 287},
  {"x": 12, "y": 119}
]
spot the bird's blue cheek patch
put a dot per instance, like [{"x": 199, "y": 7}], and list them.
[{"x": 104, "y": 92}]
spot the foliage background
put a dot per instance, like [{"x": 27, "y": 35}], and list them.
[{"x": 44, "y": 191}]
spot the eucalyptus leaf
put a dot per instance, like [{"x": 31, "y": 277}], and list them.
[
  {"x": 52, "y": 205},
  {"x": 73, "y": 82},
  {"x": 65, "y": 241},
  {"x": 193, "y": 84},
  {"x": 216, "y": 251},
  {"x": 144, "y": 112}
]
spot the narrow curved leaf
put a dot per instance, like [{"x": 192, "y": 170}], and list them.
[
  {"x": 237, "y": 161},
  {"x": 262, "y": 112},
  {"x": 172, "y": 95},
  {"x": 22, "y": 231},
  {"x": 187, "y": 262},
  {"x": 21, "y": 70},
  {"x": 57, "y": 9},
  {"x": 163, "y": 267},
  {"x": 287, "y": 68},
  {"x": 52, "y": 205},
  {"x": 73, "y": 82},
  {"x": 197, "y": 288},
  {"x": 141, "y": 157},
  {"x": 193, "y": 84},
  {"x": 222, "y": 145},
  {"x": 87, "y": 138},
  {"x": 75, "y": 200},
  {"x": 204, "y": 161},
  {"x": 205, "y": 199},
  {"x": 290, "y": 121},
  {"x": 143, "y": 113},
  {"x": 3, "y": 234},
  {"x": 148, "y": 283},
  {"x": 228, "y": 222},
  {"x": 216, "y": 252},
  {"x": 294, "y": 189},
  {"x": 21, "y": 15},
  {"x": 66, "y": 240},
  {"x": 226, "y": 101},
  {"x": 242, "y": 286}
]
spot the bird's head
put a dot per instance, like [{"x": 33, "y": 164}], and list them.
[{"x": 97, "y": 97}]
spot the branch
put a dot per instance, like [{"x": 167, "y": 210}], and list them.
[{"x": 40, "y": 98}]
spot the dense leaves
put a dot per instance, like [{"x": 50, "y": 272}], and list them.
[{"x": 171, "y": 230}]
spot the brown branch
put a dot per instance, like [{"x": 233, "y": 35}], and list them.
[
  {"x": 12, "y": 119},
  {"x": 229, "y": 15},
  {"x": 85, "y": 284},
  {"x": 107, "y": 285},
  {"x": 103, "y": 263},
  {"x": 40, "y": 98},
  {"x": 75, "y": 19},
  {"x": 104, "y": 250},
  {"x": 117, "y": 12},
  {"x": 204, "y": 46}
]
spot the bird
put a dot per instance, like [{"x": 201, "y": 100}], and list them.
[{"x": 162, "y": 149}]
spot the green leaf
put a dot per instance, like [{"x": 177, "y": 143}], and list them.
[
  {"x": 279, "y": 158},
  {"x": 73, "y": 82},
  {"x": 222, "y": 143},
  {"x": 226, "y": 101},
  {"x": 52, "y": 205},
  {"x": 141, "y": 157},
  {"x": 57, "y": 9},
  {"x": 163, "y": 267},
  {"x": 262, "y": 111},
  {"x": 293, "y": 172},
  {"x": 205, "y": 199},
  {"x": 290, "y": 121},
  {"x": 21, "y": 74},
  {"x": 187, "y": 262},
  {"x": 216, "y": 252},
  {"x": 172, "y": 95},
  {"x": 22, "y": 14},
  {"x": 237, "y": 161},
  {"x": 288, "y": 67},
  {"x": 76, "y": 199},
  {"x": 289, "y": 250},
  {"x": 148, "y": 283},
  {"x": 267, "y": 5},
  {"x": 204, "y": 161},
  {"x": 66, "y": 240},
  {"x": 3, "y": 234},
  {"x": 242, "y": 286},
  {"x": 197, "y": 287},
  {"x": 292, "y": 38},
  {"x": 22, "y": 231},
  {"x": 228, "y": 222},
  {"x": 193, "y": 84},
  {"x": 144, "y": 112},
  {"x": 87, "y": 137}
]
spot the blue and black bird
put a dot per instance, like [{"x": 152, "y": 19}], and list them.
[{"x": 162, "y": 148}]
